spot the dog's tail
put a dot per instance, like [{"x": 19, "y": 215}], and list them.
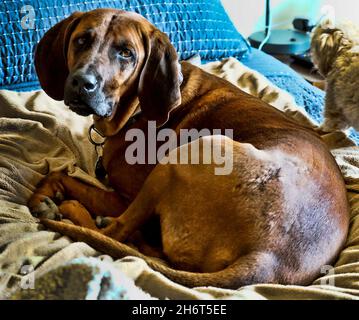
[{"x": 249, "y": 269}]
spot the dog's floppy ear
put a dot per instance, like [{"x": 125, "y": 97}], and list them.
[
  {"x": 160, "y": 80},
  {"x": 51, "y": 56}
]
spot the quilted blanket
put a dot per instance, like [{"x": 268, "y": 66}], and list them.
[{"x": 39, "y": 135}]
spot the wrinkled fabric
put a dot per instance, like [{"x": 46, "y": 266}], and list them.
[{"x": 39, "y": 135}]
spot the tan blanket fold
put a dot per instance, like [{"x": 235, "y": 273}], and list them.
[{"x": 39, "y": 135}]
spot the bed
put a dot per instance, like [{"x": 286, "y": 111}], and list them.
[{"x": 39, "y": 135}]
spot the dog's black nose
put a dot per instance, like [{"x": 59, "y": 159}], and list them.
[{"x": 84, "y": 83}]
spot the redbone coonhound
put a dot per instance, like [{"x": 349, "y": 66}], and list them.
[{"x": 278, "y": 217}]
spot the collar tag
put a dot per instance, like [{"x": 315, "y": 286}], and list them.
[
  {"x": 95, "y": 143},
  {"x": 99, "y": 168}
]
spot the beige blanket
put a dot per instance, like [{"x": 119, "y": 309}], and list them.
[{"x": 39, "y": 135}]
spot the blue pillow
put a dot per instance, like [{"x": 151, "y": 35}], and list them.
[
  {"x": 306, "y": 95},
  {"x": 194, "y": 26}
]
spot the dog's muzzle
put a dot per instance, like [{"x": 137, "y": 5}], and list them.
[{"x": 84, "y": 96}]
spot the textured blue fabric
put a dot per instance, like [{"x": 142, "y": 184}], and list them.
[
  {"x": 194, "y": 26},
  {"x": 306, "y": 95}
]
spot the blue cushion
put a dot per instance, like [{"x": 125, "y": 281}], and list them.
[
  {"x": 306, "y": 95},
  {"x": 194, "y": 26}
]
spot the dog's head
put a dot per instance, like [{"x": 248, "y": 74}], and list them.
[
  {"x": 98, "y": 60},
  {"x": 327, "y": 43}
]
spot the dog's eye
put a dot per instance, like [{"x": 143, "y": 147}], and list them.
[
  {"x": 124, "y": 53},
  {"x": 81, "y": 41}
]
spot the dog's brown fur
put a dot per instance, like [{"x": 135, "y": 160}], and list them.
[{"x": 277, "y": 218}]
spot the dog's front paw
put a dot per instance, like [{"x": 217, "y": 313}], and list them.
[
  {"x": 49, "y": 188},
  {"x": 46, "y": 209}
]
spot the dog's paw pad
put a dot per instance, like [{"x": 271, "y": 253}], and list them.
[
  {"x": 47, "y": 209},
  {"x": 58, "y": 216},
  {"x": 102, "y": 222},
  {"x": 59, "y": 197}
]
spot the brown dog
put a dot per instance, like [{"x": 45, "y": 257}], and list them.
[{"x": 278, "y": 217}]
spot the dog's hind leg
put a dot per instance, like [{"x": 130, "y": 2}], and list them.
[
  {"x": 140, "y": 210},
  {"x": 77, "y": 213}
]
